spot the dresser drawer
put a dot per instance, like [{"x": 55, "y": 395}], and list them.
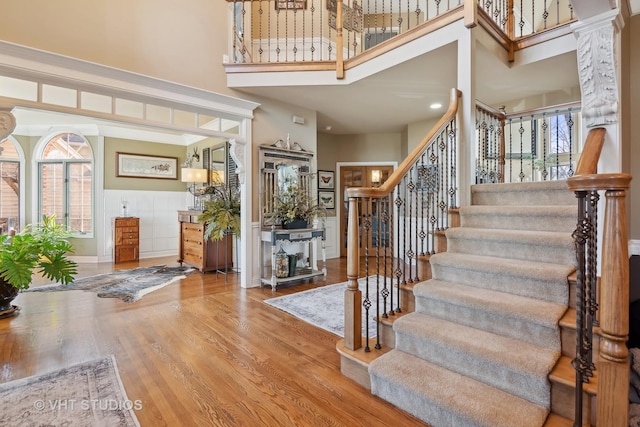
[
  {"x": 126, "y": 237},
  {"x": 194, "y": 259},
  {"x": 123, "y": 254},
  {"x": 127, "y": 222}
]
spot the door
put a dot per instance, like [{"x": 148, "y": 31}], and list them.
[{"x": 362, "y": 176}]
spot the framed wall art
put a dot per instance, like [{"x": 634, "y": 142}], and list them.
[
  {"x": 327, "y": 199},
  {"x": 326, "y": 179},
  {"x": 145, "y": 166}
]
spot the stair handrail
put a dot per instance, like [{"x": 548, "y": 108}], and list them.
[
  {"x": 397, "y": 175},
  {"x": 353, "y": 296},
  {"x": 611, "y": 312}
]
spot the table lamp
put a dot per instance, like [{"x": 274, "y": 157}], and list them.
[{"x": 193, "y": 176}]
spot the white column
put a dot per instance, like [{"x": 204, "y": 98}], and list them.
[{"x": 466, "y": 115}]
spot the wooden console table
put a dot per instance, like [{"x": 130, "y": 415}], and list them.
[{"x": 305, "y": 235}]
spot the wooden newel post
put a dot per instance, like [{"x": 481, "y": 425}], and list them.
[
  {"x": 613, "y": 364},
  {"x": 352, "y": 295}
]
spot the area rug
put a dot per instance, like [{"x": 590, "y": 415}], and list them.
[
  {"x": 324, "y": 307},
  {"x": 87, "y": 394},
  {"x": 128, "y": 285}
]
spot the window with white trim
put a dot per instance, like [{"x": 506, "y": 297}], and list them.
[
  {"x": 65, "y": 175},
  {"x": 9, "y": 186}
]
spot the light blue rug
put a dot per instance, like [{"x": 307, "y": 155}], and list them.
[{"x": 324, "y": 307}]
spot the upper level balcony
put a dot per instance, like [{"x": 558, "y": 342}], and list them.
[{"x": 314, "y": 52}]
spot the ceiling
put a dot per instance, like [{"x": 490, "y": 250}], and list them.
[{"x": 402, "y": 94}]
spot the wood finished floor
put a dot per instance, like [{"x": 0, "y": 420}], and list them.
[{"x": 198, "y": 352}]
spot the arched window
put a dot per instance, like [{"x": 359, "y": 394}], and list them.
[
  {"x": 9, "y": 186},
  {"x": 65, "y": 172}
]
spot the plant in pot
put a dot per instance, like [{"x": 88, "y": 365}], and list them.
[
  {"x": 294, "y": 206},
  {"x": 38, "y": 248},
  {"x": 221, "y": 214}
]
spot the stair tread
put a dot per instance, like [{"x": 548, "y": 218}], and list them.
[
  {"x": 563, "y": 373},
  {"x": 568, "y": 321},
  {"x": 513, "y": 353},
  {"x": 511, "y": 305},
  {"x": 551, "y": 211},
  {"x": 555, "y": 420},
  {"x": 469, "y": 400}
]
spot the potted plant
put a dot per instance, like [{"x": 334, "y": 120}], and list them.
[
  {"x": 294, "y": 206},
  {"x": 221, "y": 214},
  {"x": 38, "y": 248}
]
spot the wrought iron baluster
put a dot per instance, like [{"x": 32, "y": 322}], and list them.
[{"x": 366, "y": 302}]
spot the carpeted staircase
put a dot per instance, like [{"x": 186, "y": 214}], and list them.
[{"x": 484, "y": 336}]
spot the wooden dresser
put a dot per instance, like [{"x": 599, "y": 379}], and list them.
[
  {"x": 126, "y": 246},
  {"x": 205, "y": 255}
]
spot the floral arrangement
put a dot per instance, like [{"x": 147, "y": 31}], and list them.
[
  {"x": 294, "y": 203},
  {"x": 221, "y": 212}
]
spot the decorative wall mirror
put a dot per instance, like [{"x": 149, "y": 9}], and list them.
[
  {"x": 281, "y": 166},
  {"x": 221, "y": 166}
]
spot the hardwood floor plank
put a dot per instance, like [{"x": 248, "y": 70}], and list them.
[{"x": 200, "y": 351}]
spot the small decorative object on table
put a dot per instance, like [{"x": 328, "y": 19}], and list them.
[{"x": 282, "y": 264}]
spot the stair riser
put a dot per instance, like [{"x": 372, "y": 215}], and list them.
[
  {"x": 559, "y": 223},
  {"x": 518, "y": 249},
  {"x": 529, "y": 223},
  {"x": 523, "y": 194},
  {"x": 568, "y": 336},
  {"x": 563, "y": 403},
  {"x": 524, "y": 286},
  {"x": 490, "y": 322}
]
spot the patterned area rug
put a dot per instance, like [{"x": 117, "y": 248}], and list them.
[
  {"x": 324, "y": 307},
  {"x": 128, "y": 285},
  {"x": 87, "y": 394}
]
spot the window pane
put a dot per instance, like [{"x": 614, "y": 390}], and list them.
[
  {"x": 80, "y": 202},
  {"x": 52, "y": 190},
  {"x": 67, "y": 146},
  {"x": 9, "y": 195},
  {"x": 8, "y": 150}
]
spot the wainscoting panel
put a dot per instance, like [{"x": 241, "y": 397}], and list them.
[{"x": 158, "y": 213}]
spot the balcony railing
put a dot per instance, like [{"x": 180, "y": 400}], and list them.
[
  {"x": 534, "y": 145},
  {"x": 334, "y": 31}
]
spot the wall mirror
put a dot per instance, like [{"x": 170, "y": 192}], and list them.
[
  {"x": 281, "y": 166},
  {"x": 221, "y": 166}
]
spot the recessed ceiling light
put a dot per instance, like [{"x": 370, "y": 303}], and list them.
[
  {"x": 327, "y": 127},
  {"x": 435, "y": 106}
]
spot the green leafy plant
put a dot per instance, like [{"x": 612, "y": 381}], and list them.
[
  {"x": 221, "y": 213},
  {"x": 294, "y": 202},
  {"x": 38, "y": 248}
]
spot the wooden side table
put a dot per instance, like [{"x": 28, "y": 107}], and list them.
[{"x": 126, "y": 246}]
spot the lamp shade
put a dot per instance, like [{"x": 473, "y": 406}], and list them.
[{"x": 193, "y": 175}]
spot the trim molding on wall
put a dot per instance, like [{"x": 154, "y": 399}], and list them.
[{"x": 634, "y": 247}]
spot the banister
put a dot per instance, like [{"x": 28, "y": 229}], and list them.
[
  {"x": 612, "y": 303},
  {"x": 588, "y": 163},
  {"x": 401, "y": 171}
]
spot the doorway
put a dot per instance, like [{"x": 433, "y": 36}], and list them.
[{"x": 362, "y": 175}]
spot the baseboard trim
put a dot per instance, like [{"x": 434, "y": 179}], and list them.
[{"x": 634, "y": 247}]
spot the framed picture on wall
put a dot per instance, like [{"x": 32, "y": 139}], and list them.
[
  {"x": 327, "y": 199},
  {"x": 326, "y": 179},
  {"x": 146, "y": 166}
]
